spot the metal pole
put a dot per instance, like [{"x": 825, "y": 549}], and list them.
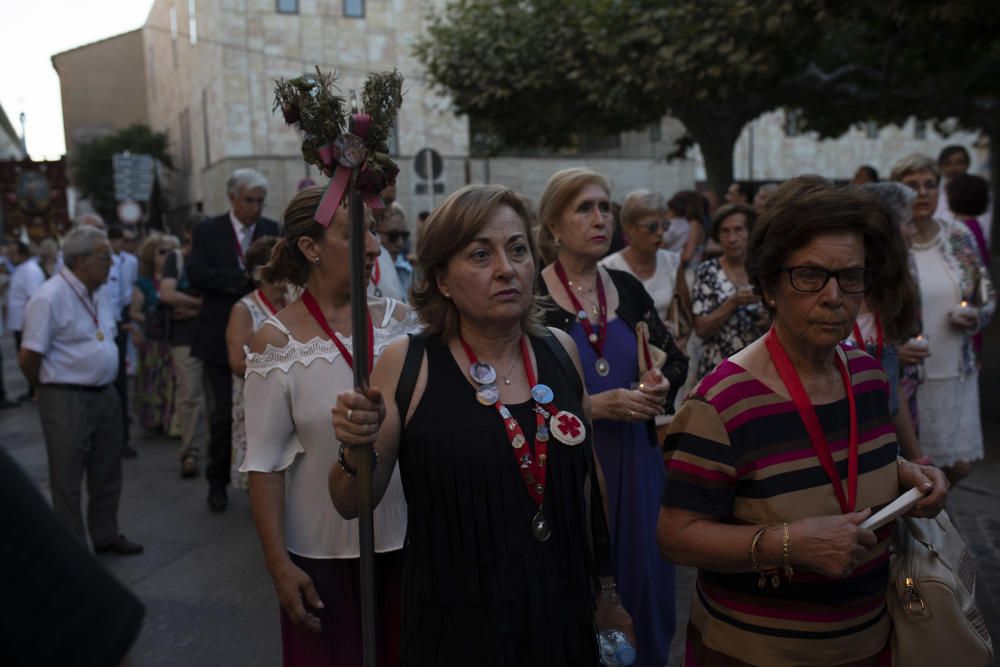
[{"x": 359, "y": 343}]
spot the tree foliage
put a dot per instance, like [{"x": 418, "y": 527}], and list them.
[
  {"x": 92, "y": 169},
  {"x": 542, "y": 72}
]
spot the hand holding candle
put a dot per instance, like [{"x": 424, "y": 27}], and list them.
[
  {"x": 964, "y": 315},
  {"x": 914, "y": 350}
]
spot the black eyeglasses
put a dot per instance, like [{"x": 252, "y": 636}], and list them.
[
  {"x": 815, "y": 278},
  {"x": 395, "y": 237}
]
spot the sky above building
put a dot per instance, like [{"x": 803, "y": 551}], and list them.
[{"x": 30, "y": 34}]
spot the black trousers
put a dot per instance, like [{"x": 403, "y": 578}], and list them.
[
  {"x": 218, "y": 380},
  {"x": 121, "y": 381}
]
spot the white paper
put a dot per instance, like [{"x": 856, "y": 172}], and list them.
[{"x": 893, "y": 510}]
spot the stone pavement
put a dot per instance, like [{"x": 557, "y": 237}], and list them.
[{"x": 209, "y": 600}]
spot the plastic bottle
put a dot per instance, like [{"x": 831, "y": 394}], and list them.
[{"x": 616, "y": 651}]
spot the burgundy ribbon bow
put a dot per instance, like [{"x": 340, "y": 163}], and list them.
[{"x": 345, "y": 154}]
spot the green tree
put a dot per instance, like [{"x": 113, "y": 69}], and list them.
[
  {"x": 92, "y": 164},
  {"x": 541, "y": 72}
]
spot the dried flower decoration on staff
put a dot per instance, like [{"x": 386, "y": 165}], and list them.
[{"x": 343, "y": 145}]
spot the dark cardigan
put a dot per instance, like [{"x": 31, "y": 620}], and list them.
[{"x": 634, "y": 305}]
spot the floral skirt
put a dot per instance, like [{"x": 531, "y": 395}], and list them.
[{"x": 154, "y": 386}]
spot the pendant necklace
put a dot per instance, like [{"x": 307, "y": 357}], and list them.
[
  {"x": 595, "y": 338},
  {"x": 92, "y": 310},
  {"x": 566, "y": 427}
]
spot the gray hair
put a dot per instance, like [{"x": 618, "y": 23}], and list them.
[
  {"x": 91, "y": 218},
  {"x": 896, "y": 197},
  {"x": 80, "y": 242},
  {"x": 912, "y": 163},
  {"x": 245, "y": 179},
  {"x": 640, "y": 203},
  {"x": 48, "y": 248}
]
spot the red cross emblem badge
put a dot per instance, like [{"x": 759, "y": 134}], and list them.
[{"x": 567, "y": 428}]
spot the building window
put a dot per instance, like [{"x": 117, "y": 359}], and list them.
[
  {"x": 354, "y": 9},
  {"x": 173, "y": 34},
  {"x": 205, "y": 125},
  {"x": 920, "y": 129},
  {"x": 185, "y": 126},
  {"x": 288, "y": 6},
  {"x": 871, "y": 129},
  {"x": 192, "y": 23},
  {"x": 793, "y": 122}
]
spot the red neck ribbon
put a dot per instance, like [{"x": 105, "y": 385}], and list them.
[
  {"x": 880, "y": 343},
  {"x": 239, "y": 246},
  {"x": 270, "y": 306},
  {"x": 376, "y": 273},
  {"x": 532, "y": 468},
  {"x": 310, "y": 303},
  {"x": 790, "y": 377},
  {"x": 92, "y": 308},
  {"x": 602, "y": 316}
]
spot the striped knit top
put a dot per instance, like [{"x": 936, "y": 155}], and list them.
[{"x": 739, "y": 451}]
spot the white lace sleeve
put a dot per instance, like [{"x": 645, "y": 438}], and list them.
[{"x": 272, "y": 443}]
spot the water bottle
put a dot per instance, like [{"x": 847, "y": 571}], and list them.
[{"x": 616, "y": 651}]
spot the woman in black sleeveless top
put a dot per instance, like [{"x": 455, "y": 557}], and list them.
[{"x": 495, "y": 456}]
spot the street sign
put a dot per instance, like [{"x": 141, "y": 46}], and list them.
[
  {"x": 133, "y": 176},
  {"x": 429, "y": 166}
]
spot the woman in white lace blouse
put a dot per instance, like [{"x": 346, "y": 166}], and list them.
[{"x": 297, "y": 363}]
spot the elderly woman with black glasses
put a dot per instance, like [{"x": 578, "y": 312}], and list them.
[{"x": 785, "y": 449}]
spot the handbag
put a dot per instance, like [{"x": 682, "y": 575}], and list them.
[
  {"x": 931, "y": 597},
  {"x": 678, "y": 319}
]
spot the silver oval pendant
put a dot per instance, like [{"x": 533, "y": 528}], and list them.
[
  {"x": 602, "y": 367},
  {"x": 488, "y": 394},
  {"x": 592, "y": 338},
  {"x": 581, "y": 315},
  {"x": 540, "y": 528},
  {"x": 542, "y": 394},
  {"x": 482, "y": 373}
]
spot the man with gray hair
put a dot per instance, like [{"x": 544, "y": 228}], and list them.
[
  {"x": 68, "y": 353},
  {"x": 217, "y": 269}
]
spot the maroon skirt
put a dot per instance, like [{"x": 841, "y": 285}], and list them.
[{"x": 338, "y": 644}]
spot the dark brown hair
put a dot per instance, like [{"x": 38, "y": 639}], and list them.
[
  {"x": 449, "y": 228},
  {"x": 804, "y": 208},
  {"x": 968, "y": 194},
  {"x": 727, "y": 210},
  {"x": 259, "y": 253},
  {"x": 287, "y": 263}
]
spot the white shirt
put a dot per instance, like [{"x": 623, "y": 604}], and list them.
[
  {"x": 239, "y": 231},
  {"x": 388, "y": 284},
  {"x": 287, "y": 399},
  {"x": 27, "y": 278},
  {"x": 117, "y": 290},
  {"x": 129, "y": 274},
  {"x": 661, "y": 284},
  {"x": 61, "y": 328}
]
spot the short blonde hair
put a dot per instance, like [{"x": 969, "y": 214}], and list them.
[
  {"x": 450, "y": 228},
  {"x": 560, "y": 191},
  {"x": 640, "y": 204},
  {"x": 913, "y": 163}
]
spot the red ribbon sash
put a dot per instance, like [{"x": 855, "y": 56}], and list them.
[
  {"x": 602, "y": 316},
  {"x": 790, "y": 377},
  {"x": 310, "y": 303},
  {"x": 880, "y": 343},
  {"x": 92, "y": 310},
  {"x": 263, "y": 299},
  {"x": 532, "y": 468}
]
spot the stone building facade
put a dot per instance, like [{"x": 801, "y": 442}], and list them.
[
  {"x": 103, "y": 87},
  {"x": 211, "y": 70}
]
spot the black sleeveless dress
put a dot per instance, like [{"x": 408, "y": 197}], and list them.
[{"x": 479, "y": 590}]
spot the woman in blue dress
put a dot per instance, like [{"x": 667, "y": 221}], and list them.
[{"x": 601, "y": 309}]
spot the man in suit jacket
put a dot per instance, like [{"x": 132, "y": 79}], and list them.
[{"x": 216, "y": 269}]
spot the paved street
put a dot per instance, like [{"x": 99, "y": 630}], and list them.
[{"x": 210, "y": 602}]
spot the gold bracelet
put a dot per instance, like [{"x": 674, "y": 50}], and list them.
[
  {"x": 755, "y": 548},
  {"x": 786, "y": 552}
]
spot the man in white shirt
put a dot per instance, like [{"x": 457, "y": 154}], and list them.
[
  {"x": 68, "y": 352},
  {"x": 27, "y": 277}
]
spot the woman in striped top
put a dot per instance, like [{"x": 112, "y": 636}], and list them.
[{"x": 782, "y": 452}]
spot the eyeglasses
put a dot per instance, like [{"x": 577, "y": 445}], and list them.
[
  {"x": 655, "y": 226},
  {"x": 916, "y": 186},
  {"x": 162, "y": 251},
  {"x": 815, "y": 278},
  {"x": 395, "y": 237}
]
